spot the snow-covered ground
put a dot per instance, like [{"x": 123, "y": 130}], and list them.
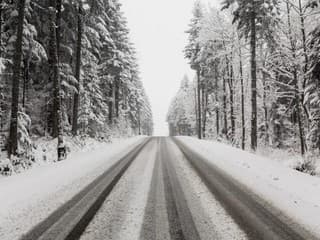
[
  {"x": 296, "y": 194},
  {"x": 44, "y": 151},
  {"x": 291, "y": 158},
  {"x": 35, "y": 193}
]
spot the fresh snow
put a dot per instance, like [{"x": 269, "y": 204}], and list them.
[
  {"x": 288, "y": 157},
  {"x": 296, "y": 194},
  {"x": 35, "y": 193}
]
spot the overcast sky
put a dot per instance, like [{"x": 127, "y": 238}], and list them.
[{"x": 158, "y": 32}]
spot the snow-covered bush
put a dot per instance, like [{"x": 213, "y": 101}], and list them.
[
  {"x": 307, "y": 165},
  {"x": 6, "y": 167},
  {"x": 21, "y": 163},
  {"x": 25, "y": 146}
]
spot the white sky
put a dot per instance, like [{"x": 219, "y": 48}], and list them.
[{"x": 158, "y": 32}]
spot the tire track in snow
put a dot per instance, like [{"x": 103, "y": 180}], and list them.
[
  {"x": 71, "y": 219},
  {"x": 182, "y": 226}
]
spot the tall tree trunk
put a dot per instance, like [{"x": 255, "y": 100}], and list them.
[
  {"x": 243, "y": 140},
  {"x": 77, "y": 74},
  {"x": 58, "y": 25},
  {"x": 254, "y": 120},
  {"x": 26, "y": 76},
  {"x": 110, "y": 103},
  {"x": 199, "y": 103},
  {"x": 1, "y": 79},
  {"x": 204, "y": 110},
  {"x": 217, "y": 100},
  {"x": 25, "y": 80},
  {"x": 13, "y": 138},
  {"x": 304, "y": 44},
  {"x": 225, "y": 117},
  {"x": 265, "y": 108},
  {"x": 296, "y": 85},
  {"x": 139, "y": 120},
  {"x": 298, "y": 111},
  {"x": 117, "y": 97},
  {"x": 231, "y": 99},
  {"x": 56, "y": 5},
  {"x": 56, "y": 77},
  {"x": 196, "y": 110},
  {"x": 264, "y": 98}
]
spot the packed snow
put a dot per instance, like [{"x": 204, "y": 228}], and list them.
[
  {"x": 122, "y": 214},
  {"x": 206, "y": 209},
  {"x": 294, "y": 193},
  {"x": 35, "y": 193}
]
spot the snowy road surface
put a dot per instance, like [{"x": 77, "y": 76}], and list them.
[{"x": 163, "y": 188}]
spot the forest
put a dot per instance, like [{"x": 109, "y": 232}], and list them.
[
  {"x": 67, "y": 68},
  {"x": 257, "y": 79}
]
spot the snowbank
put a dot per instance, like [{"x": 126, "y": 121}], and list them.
[
  {"x": 295, "y": 193},
  {"x": 291, "y": 158},
  {"x": 35, "y": 193},
  {"x": 44, "y": 151}
]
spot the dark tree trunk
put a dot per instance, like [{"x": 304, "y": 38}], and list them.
[
  {"x": 1, "y": 79},
  {"x": 225, "y": 117},
  {"x": 254, "y": 120},
  {"x": 196, "y": 110},
  {"x": 304, "y": 44},
  {"x": 199, "y": 103},
  {"x": 56, "y": 4},
  {"x": 117, "y": 97},
  {"x": 298, "y": 110},
  {"x": 243, "y": 140},
  {"x": 58, "y": 25},
  {"x": 139, "y": 121},
  {"x": 26, "y": 77},
  {"x": 217, "y": 100},
  {"x": 25, "y": 82},
  {"x": 77, "y": 74},
  {"x": 231, "y": 99},
  {"x": 110, "y": 103},
  {"x": 296, "y": 85},
  {"x": 54, "y": 60},
  {"x": 204, "y": 110},
  {"x": 265, "y": 109},
  {"x": 13, "y": 138}
]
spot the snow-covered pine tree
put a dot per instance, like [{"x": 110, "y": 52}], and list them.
[
  {"x": 108, "y": 62},
  {"x": 312, "y": 90},
  {"x": 13, "y": 137},
  {"x": 181, "y": 115},
  {"x": 256, "y": 19},
  {"x": 192, "y": 52}
]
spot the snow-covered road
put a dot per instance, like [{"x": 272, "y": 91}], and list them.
[
  {"x": 172, "y": 189},
  {"x": 28, "y": 198}
]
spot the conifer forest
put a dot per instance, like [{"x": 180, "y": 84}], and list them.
[
  {"x": 257, "y": 75},
  {"x": 160, "y": 119},
  {"x": 67, "y": 68}
]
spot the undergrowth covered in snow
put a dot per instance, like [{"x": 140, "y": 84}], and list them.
[
  {"x": 289, "y": 157},
  {"x": 309, "y": 163},
  {"x": 44, "y": 150}
]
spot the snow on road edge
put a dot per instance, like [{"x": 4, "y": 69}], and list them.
[
  {"x": 294, "y": 193},
  {"x": 43, "y": 188}
]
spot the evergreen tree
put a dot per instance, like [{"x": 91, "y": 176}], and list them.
[
  {"x": 312, "y": 91},
  {"x": 255, "y": 18},
  {"x": 192, "y": 52},
  {"x": 71, "y": 74},
  {"x": 13, "y": 138}
]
